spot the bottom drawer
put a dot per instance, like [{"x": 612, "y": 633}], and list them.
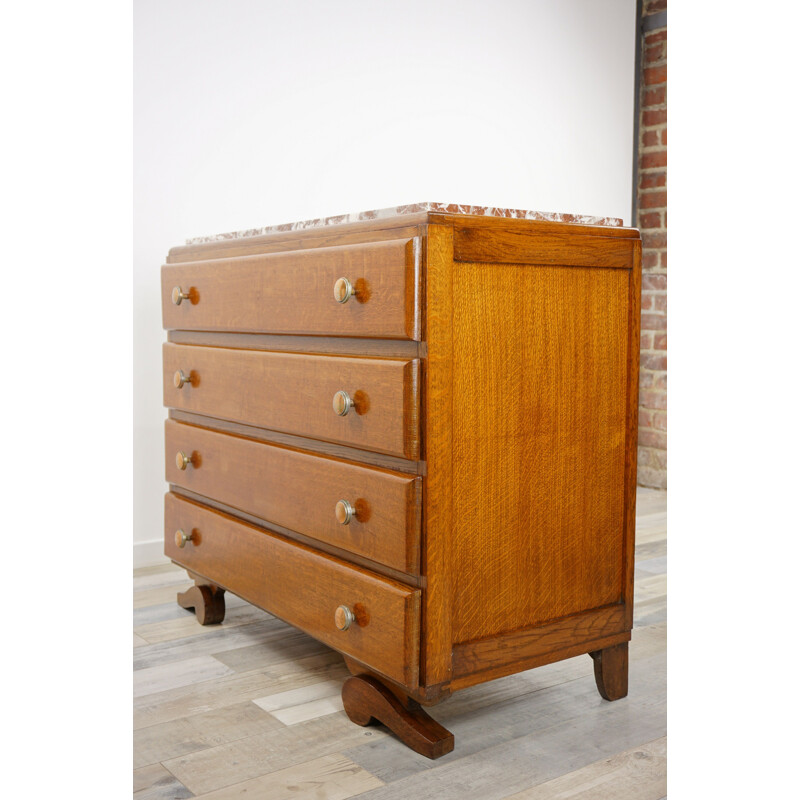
[{"x": 301, "y": 586}]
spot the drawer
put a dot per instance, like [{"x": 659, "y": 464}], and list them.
[
  {"x": 300, "y": 491},
  {"x": 301, "y": 586},
  {"x": 293, "y": 292},
  {"x": 294, "y": 393}
]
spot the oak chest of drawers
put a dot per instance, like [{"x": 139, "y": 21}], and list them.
[{"x": 413, "y": 436}]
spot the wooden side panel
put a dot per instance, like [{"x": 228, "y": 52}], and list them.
[
  {"x": 292, "y": 293},
  {"x": 301, "y": 586},
  {"x": 438, "y": 493},
  {"x": 540, "y": 379},
  {"x": 293, "y": 392},
  {"x": 299, "y": 491}
]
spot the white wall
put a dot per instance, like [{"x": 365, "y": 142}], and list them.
[{"x": 250, "y": 113}]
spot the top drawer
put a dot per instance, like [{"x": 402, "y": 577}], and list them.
[{"x": 293, "y": 292}]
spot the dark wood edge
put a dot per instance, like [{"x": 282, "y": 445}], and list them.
[
  {"x": 415, "y": 581},
  {"x": 632, "y": 428},
  {"x": 424, "y": 695},
  {"x": 313, "y": 446},
  {"x": 502, "y": 654}
]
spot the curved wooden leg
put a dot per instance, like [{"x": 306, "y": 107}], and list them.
[
  {"x": 208, "y": 603},
  {"x": 611, "y": 671},
  {"x": 366, "y": 700}
]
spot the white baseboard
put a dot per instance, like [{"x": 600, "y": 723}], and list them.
[{"x": 149, "y": 554}]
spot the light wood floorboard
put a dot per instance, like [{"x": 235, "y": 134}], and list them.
[{"x": 252, "y": 708}]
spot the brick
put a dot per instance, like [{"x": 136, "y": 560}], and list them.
[
  {"x": 650, "y": 438},
  {"x": 656, "y": 52},
  {"x": 647, "y": 303},
  {"x": 653, "y": 199},
  {"x": 650, "y": 139},
  {"x": 651, "y": 6},
  {"x": 653, "y": 75},
  {"x": 652, "y": 478},
  {"x": 659, "y": 422},
  {"x": 656, "y": 36},
  {"x": 664, "y": 259},
  {"x": 654, "y": 322},
  {"x": 655, "y": 96},
  {"x": 664, "y": 136},
  {"x": 654, "y": 283},
  {"x": 654, "y": 240},
  {"x": 654, "y": 361},
  {"x": 649, "y": 260},
  {"x": 645, "y": 418},
  {"x": 651, "y": 220},
  {"x": 657, "y": 159},
  {"x": 646, "y": 341},
  {"x": 646, "y": 379},
  {"x": 654, "y": 117},
  {"x": 652, "y": 180},
  {"x": 660, "y": 301},
  {"x": 659, "y": 341},
  {"x": 652, "y": 399},
  {"x": 660, "y": 380}
]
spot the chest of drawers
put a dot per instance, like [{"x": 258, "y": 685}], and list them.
[{"x": 413, "y": 436}]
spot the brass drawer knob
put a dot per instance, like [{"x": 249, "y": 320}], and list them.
[
  {"x": 182, "y": 460},
  {"x": 180, "y": 378},
  {"x": 343, "y": 290},
  {"x": 178, "y": 295},
  {"x": 344, "y": 512},
  {"x": 342, "y": 403},
  {"x": 344, "y": 617},
  {"x": 181, "y": 537}
]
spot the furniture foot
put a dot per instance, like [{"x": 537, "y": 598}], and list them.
[
  {"x": 366, "y": 701},
  {"x": 611, "y": 671},
  {"x": 208, "y": 603}
]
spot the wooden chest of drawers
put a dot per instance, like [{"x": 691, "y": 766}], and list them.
[{"x": 412, "y": 436}]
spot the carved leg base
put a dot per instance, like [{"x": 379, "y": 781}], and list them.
[
  {"x": 208, "y": 603},
  {"x": 366, "y": 701},
  {"x": 611, "y": 671}
]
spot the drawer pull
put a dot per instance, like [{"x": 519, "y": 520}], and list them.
[
  {"x": 343, "y": 618},
  {"x": 343, "y": 290},
  {"x": 180, "y": 378},
  {"x": 181, "y": 537},
  {"x": 182, "y": 460},
  {"x": 343, "y": 403},
  {"x": 345, "y": 511},
  {"x": 178, "y": 295}
]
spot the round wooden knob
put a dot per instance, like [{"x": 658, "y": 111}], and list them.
[
  {"x": 344, "y": 512},
  {"x": 343, "y": 290},
  {"x": 182, "y": 460},
  {"x": 178, "y": 295},
  {"x": 343, "y": 618},
  {"x": 181, "y": 538},
  {"x": 180, "y": 378},
  {"x": 342, "y": 403}
]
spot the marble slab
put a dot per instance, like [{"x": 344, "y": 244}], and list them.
[{"x": 413, "y": 208}]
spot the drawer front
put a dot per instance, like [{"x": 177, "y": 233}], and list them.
[
  {"x": 293, "y": 293},
  {"x": 301, "y": 586},
  {"x": 294, "y": 393},
  {"x": 300, "y": 491}
]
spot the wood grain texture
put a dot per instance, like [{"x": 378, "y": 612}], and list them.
[
  {"x": 438, "y": 555},
  {"x": 293, "y": 392},
  {"x": 367, "y": 700},
  {"x": 611, "y": 671},
  {"x": 539, "y": 432},
  {"x": 517, "y": 246},
  {"x": 298, "y": 490},
  {"x": 495, "y": 656},
  {"x": 292, "y": 293},
  {"x": 301, "y": 586}
]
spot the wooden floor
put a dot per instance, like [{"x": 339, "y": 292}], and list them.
[{"x": 251, "y": 708}]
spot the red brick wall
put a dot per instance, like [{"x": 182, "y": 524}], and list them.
[{"x": 652, "y": 221}]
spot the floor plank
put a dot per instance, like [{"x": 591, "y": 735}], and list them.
[
  {"x": 168, "y": 677},
  {"x": 331, "y": 777},
  {"x": 156, "y": 783}
]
